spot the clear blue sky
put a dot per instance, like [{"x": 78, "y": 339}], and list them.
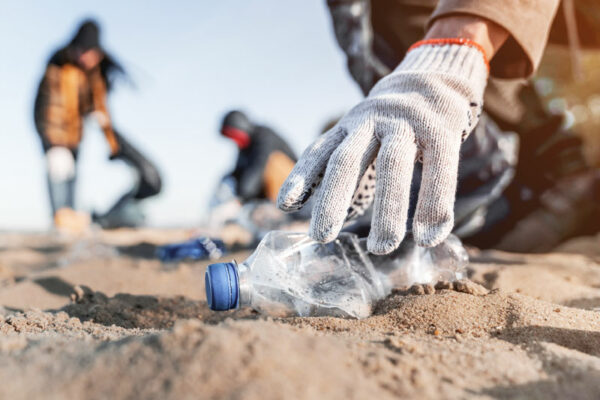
[{"x": 191, "y": 62}]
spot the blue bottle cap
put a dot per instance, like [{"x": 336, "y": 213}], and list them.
[{"x": 222, "y": 286}]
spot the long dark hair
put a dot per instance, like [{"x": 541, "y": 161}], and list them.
[{"x": 87, "y": 38}]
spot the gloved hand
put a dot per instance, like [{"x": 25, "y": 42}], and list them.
[{"x": 423, "y": 110}]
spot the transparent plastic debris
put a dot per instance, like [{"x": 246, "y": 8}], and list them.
[
  {"x": 224, "y": 206},
  {"x": 290, "y": 274},
  {"x": 257, "y": 217}
]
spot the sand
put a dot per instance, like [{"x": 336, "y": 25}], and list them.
[{"x": 101, "y": 318}]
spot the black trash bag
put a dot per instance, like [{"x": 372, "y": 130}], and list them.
[{"x": 126, "y": 212}]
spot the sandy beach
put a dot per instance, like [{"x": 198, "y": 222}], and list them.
[{"x": 101, "y": 318}]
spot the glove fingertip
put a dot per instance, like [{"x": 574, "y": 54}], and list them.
[
  {"x": 322, "y": 234},
  {"x": 292, "y": 194},
  {"x": 289, "y": 202},
  {"x": 430, "y": 235},
  {"x": 378, "y": 246},
  {"x": 289, "y": 206}
]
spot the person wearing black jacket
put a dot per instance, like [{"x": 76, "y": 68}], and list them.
[
  {"x": 264, "y": 158},
  {"x": 75, "y": 85}
]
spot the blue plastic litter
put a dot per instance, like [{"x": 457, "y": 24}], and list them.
[{"x": 201, "y": 248}]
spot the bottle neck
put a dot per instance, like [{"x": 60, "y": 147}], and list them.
[{"x": 245, "y": 285}]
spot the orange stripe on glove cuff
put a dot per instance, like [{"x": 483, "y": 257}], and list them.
[{"x": 460, "y": 41}]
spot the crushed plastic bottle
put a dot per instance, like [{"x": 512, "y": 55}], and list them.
[{"x": 290, "y": 274}]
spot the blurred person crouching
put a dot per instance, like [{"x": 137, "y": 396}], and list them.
[
  {"x": 264, "y": 158},
  {"x": 246, "y": 196},
  {"x": 75, "y": 85}
]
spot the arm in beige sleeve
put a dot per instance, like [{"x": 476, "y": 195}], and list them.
[
  {"x": 489, "y": 35},
  {"x": 527, "y": 23}
]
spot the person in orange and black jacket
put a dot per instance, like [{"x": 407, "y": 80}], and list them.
[
  {"x": 264, "y": 158},
  {"x": 75, "y": 85}
]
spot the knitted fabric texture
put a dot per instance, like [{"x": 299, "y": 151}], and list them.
[{"x": 422, "y": 111}]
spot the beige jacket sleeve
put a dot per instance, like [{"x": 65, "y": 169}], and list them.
[{"x": 527, "y": 21}]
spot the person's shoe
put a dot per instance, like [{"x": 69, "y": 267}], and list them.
[
  {"x": 71, "y": 222},
  {"x": 568, "y": 209}
]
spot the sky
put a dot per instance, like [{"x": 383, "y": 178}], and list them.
[{"x": 190, "y": 62}]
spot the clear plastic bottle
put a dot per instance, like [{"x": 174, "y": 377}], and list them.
[{"x": 290, "y": 274}]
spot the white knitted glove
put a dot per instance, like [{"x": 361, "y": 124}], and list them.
[{"x": 423, "y": 110}]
